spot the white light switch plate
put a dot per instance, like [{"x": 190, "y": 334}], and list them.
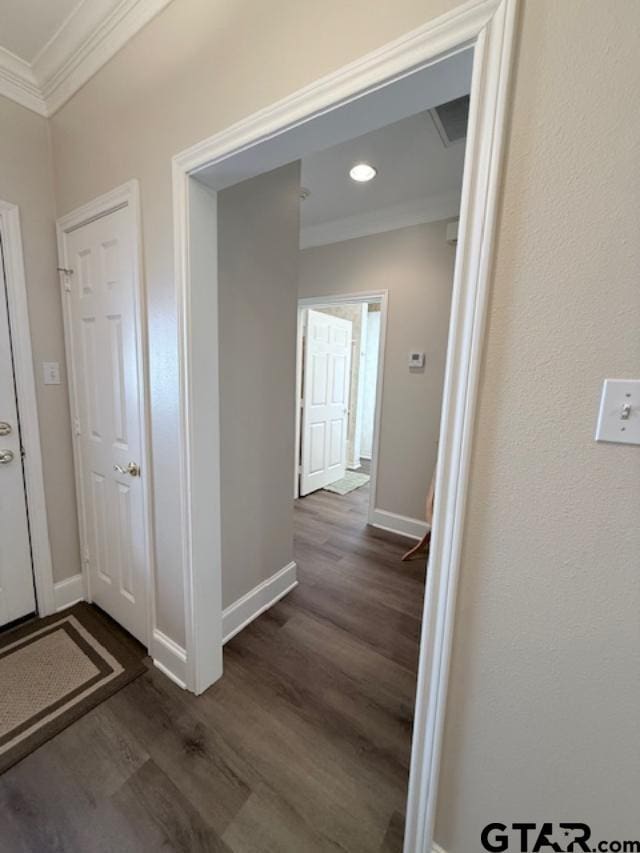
[
  {"x": 619, "y": 417},
  {"x": 51, "y": 371}
]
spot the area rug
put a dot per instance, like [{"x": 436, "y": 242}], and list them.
[
  {"x": 54, "y": 670},
  {"x": 352, "y": 480}
]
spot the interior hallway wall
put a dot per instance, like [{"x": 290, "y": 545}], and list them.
[
  {"x": 416, "y": 266},
  {"x": 258, "y": 256},
  {"x": 26, "y": 179},
  {"x": 542, "y": 718}
]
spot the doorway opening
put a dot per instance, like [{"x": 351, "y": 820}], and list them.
[
  {"x": 363, "y": 316},
  {"x": 375, "y": 285},
  {"x": 296, "y": 288},
  {"x": 412, "y": 67}
]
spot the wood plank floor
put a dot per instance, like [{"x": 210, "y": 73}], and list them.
[{"x": 303, "y": 745}]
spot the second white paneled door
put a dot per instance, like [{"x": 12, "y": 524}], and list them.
[
  {"x": 325, "y": 400},
  {"x": 103, "y": 343}
]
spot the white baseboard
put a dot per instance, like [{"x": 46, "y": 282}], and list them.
[
  {"x": 402, "y": 524},
  {"x": 169, "y": 657},
  {"x": 67, "y": 592},
  {"x": 243, "y": 611}
]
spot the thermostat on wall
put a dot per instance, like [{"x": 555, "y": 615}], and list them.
[{"x": 416, "y": 359}]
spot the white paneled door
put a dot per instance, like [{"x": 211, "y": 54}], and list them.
[
  {"x": 325, "y": 400},
  {"x": 17, "y": 597},
  {"x": 107, "y": 409}
]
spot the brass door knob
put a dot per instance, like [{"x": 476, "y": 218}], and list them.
[{"x": 133, "y": 469}]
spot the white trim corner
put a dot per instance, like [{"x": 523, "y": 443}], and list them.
[
  {"x": 169, "y": 657},
  {"x": 85, "y": 41},
  {"x": 402, "y": 525},
  {"x": 263, "y": 596},
  {"x": 69, "y": 591},
  {"x": 18, "y": 83}
]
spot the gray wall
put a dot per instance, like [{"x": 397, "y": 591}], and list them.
[
  {"x": 26, "y": 179},
  {"x": 416, "y": 266},
  {"x": 258, "y": 233},
  {"x": 545, "y": 684}
]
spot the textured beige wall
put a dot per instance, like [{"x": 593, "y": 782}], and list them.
[
  {"x": 543, "y": 709},
  {"x": 545, "y": 682},
  {"x": 258, "y": 257},
  {"x": 26, "y": 179},
  {"x": 416, "y": 266}
]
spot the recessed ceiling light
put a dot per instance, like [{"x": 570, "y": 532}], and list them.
[{"x": 362, "y": 173}]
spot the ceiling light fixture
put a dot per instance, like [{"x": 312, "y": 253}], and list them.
[{"x": 362, "y": 173}]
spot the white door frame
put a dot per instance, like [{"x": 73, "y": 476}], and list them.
[
  {"x": 489, "y": 27},
  {"x": 126, "y": 195},
  {"x": 27, "y": 406},
  {"x": 381, "y": 297}
]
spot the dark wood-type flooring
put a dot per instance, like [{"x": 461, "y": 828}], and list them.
[{"x": 303, "y": 745}]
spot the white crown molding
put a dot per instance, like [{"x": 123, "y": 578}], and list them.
[
  {"x": 18, "y": 83},
  {"x": 86, "y": 40},
  {"x": 416, "y": 212}
]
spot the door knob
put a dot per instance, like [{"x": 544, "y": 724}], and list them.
[
  {"x": 5, "y": 428},
  {"x": 132, "y": 469},
  {"x": 6, "y": 456}
]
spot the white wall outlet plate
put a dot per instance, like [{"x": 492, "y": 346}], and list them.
[
  {"x": 416, "y": 359},
  {"x": 619, "y": 417},
  {"x": 51, "y": 372}
]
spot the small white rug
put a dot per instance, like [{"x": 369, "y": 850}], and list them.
[{"x": 352, "y": 480}]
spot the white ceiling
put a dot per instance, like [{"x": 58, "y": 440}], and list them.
[
  {"x": 50, "y": 48},
  {"x": 419, "y": 180},
  {"x": 27, "y": 25},
  {"x": 412, "y": 162}
]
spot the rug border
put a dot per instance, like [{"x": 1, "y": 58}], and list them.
[{"x": 97, "y": 624}]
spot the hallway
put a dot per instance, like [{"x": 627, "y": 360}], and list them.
[{"x": 302, "y": 746}]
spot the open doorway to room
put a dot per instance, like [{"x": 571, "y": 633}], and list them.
[
  {"x": 316, "y": 671},
  {"x": 333, "y": 302},
  {"x": 347, "y": 424}
]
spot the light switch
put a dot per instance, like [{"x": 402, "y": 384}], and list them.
[
  {"x": 619, "y": 417},
  {"x": 51, "y": 370},
  {"x": 416, "y": 359}
]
